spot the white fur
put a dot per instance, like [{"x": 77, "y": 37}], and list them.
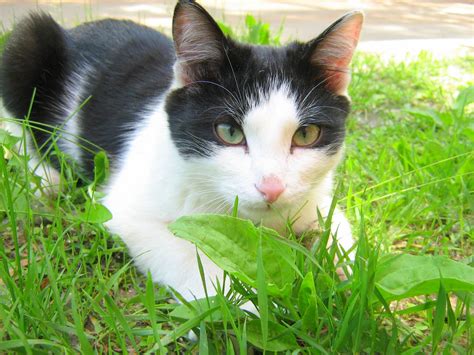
[
  {"x": 154, "y": 186},
  {"x": 69, "y": 141}
]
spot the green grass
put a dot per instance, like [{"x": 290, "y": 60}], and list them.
[{"x": 66, "y": 285}]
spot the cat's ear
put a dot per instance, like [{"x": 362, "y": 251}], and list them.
[
  {"x": 198, "y": 40},
  {"x": 332, "y": 51}
]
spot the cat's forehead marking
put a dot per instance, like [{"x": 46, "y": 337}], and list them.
[{"x": 272, "y": 121}]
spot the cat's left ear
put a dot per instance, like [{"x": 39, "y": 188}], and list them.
[
  {"x": 331, "y": 53},
  {"x": 199, "y": 42}
]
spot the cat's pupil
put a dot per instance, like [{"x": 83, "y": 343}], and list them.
[
  {"x": 303, "y": 132},
  {"x": 229, "y": 133}
]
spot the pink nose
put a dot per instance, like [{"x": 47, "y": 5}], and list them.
[{"x": 271, "y": 188}]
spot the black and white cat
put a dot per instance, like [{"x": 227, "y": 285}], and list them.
[{"x": 190, "y": 124}]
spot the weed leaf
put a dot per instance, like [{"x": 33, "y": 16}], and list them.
[
  {"x": 402, "y": 276},
  {"x": 465, "y": 98},
  {"x": 279, "y": 337},
  {"x": 95, "y": 213},
  {"x": 232, "y": 243},
  {"x": 101, "y": 167},
  {"x": 307, "y": 301}
]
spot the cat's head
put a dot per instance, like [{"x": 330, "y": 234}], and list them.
[{"x": 263, "y": 123}]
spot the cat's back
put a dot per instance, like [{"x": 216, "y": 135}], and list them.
[
  {"x": 124, "y": 69},
  {"x": 96, "y": 80},
  {"x": 107, "y": 41}
]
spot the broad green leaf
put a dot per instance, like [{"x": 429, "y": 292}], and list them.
[
  {"x": 404, "y": 275},
  {"x": 149, "y": 302},
  {"x": 262, "y": 293},
  {"x": 95, "y": 213},
  {"x": 181, "y": 330},
  {"x": 280, "y": 338},
  {"x": 19, "y": 202},
  {"x": 203, "y": 344},
  {"x": 426, "y": 114},
  {"x": 232, "y": 243},
  {"x": 101, "y": 167},
  {"x": 197, "y": 307},
  {"x": 307, "y": 301},
  {"x": 250, "y": 21},
  {"x": 226, "y": 29},
  {"x": 465, "y": 98},
  {"x": 306, "y": 292},
  {"x": 78, "y": 322},
  {"x": 440, "y": 313},
  {"x": 20, "y": 343},
  {"x": 7, "y": 139}
]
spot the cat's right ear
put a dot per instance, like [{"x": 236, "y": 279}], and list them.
[
  {"x": 332, "y": 51},
  {"x": 199, "y": 42}
]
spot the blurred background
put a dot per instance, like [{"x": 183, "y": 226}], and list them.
[{"x": 393, "y": 28}]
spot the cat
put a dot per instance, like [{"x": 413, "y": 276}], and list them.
[{"x": 189, "y": 124}]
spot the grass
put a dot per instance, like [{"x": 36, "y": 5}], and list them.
[{"x": 66, "y": 285}]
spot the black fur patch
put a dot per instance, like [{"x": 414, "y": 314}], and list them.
[{"x": 35, "y": 57}]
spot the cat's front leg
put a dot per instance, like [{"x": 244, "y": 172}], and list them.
[
  {"x": 340, "y": 226},
  {"x": 340, "y": 229},
  {"x": 170, "y": 260},
  {"x": 341, "y": 232}
]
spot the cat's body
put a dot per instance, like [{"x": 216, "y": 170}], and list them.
[{"x": 171, "y": 124}]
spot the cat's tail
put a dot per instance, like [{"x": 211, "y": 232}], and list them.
[{"x": 34, "y": 66}]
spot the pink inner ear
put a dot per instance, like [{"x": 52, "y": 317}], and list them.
[
  {"x": 337, "y": 82},
  {"x": 334, "y": 53},
  {"x": 198, "y": 41}
]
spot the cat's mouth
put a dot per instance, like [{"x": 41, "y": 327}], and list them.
[
  {"x": 264, "y": 206},
  {"x": 281, "y": 206}
]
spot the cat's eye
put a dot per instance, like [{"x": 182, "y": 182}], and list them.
[
  {"x": 306, "y": 136},
  {"x": 230, "y": 133}
]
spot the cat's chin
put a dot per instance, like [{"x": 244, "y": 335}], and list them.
[
  {"x": 285, "y": 203},
  {"x": 259, "y": 207},
  {"x": 258, "y": 210},
  {"x": 265, "y": 214}
]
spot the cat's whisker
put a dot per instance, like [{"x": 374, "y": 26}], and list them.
[
  {"x": 303, "y": 102},
  {"x": 221, "y": 207},
  {"x": 189, "y": 147},
  {"x": 216, "y": 84},
  {"x": 224, "y": 109},
  {"x": 335, "y": 108},
  {"x": 214, "y": 203},
  {"x": 202, "y": 179},
  {"x": 237, "y": 115}
]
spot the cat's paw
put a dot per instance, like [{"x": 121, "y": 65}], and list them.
[{"x": 192, "y": 336}]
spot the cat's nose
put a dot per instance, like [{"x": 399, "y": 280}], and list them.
[{"x": 271, "y": 188}]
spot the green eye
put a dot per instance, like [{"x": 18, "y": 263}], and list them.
[
  {"x": 230, "y": 133},
  {"x": 306, "y": 136}
]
